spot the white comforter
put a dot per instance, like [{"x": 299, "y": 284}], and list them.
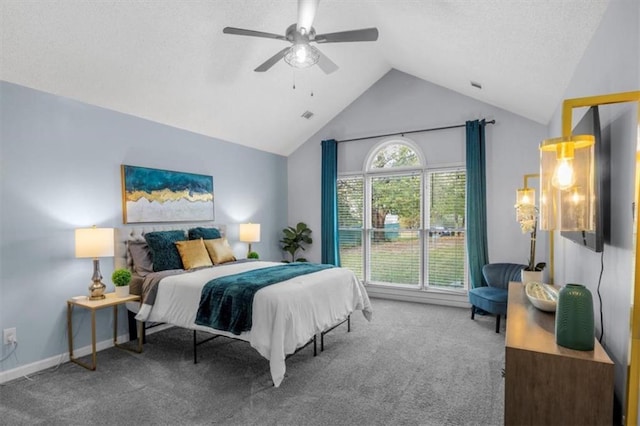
[{"x": 285, "y": 315}]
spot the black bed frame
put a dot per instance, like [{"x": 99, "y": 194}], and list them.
[{"x": 133, "y": 335}]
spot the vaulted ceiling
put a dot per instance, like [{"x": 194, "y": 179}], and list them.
[{"x": 168, "y": 60}]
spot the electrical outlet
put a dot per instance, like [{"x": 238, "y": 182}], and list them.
[{"x": 9, "y": 336}]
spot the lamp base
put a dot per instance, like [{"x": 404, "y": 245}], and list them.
[
  {"x": 97, "y": 287},
  {"x": 96, "y": 290}
]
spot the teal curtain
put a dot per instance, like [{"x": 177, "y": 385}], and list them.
[
  {"x": 476, "y": 202},
  {"x": 329, "y": 241}
]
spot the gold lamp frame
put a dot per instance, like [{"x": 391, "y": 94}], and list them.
[{"x": 633, "y": 372}]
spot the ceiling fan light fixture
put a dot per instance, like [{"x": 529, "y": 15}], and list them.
[{"x": 302, "y": 55}]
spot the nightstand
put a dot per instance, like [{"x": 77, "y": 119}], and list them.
[{"x": 93, "y": 306}]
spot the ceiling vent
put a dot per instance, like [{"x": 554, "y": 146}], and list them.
[{"x": 307, "y": 115}]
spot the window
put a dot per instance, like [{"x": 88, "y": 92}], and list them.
[
  {"x": 402, "y": 224},
  {"x": 394, "y": 239},
  {"x": 446, "y": 237},
  {"x": 350, "y": 223}
]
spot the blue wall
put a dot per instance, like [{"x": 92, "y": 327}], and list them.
[{"x": 60, "y": 169}]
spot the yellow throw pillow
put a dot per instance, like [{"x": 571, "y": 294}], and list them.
[
  {"x": 193, "y": 254},
  {"x": 219, "y": 250}
]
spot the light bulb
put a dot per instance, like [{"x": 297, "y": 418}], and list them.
[
  {"x": 563, "y": 175},
  {"x": 301, "y": 53},
  {"x": 575, "y": 197},
  {"x": 525, "y": 199}
]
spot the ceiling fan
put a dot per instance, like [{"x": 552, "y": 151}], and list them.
[{"x": 301, "y": 54}]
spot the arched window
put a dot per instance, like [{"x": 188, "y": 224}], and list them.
[
  {"x": 394, "y": 154},
  {"x": 401, "y": 223}
]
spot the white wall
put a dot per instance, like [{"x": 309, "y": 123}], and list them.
[
  {"x": 398, "y": 102},
  {"x": 609, "y": 65},
  {"x": 60, "y": 169}
]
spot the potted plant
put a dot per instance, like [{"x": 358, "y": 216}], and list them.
[
  {"x": 527, "y": 216},
  {"x": 295, "y": 239},
  {"x": 121, "y": 278},
  {"x": 253, "y": 255}
]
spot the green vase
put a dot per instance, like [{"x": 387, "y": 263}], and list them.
[{"x": 574, "y": 318}]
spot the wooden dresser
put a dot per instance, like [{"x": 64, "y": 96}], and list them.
[{"x": 547, "y": 384}]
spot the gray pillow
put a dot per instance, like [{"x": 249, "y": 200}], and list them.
[{"x": 141, "y": 257}]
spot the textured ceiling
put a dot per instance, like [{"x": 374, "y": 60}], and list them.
[{"x": 169, "y": 62}]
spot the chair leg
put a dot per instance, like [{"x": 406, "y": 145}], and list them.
[
  {"x": 498, "y": 323},
  {"x": 473, "y": 312}
]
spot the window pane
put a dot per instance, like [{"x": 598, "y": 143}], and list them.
[
  {"x": 350, "y": 220},
  {"x": 351, "y": 253},
  {"x": 446, "y": 238},
  {"x": 395, "y": 257},
  {"x": 447, "y": 204},
  {"x": 446, "y": 257},
  {"x": 395, "y": 202},
  {"x": 395, "y": 155},
  {"x": 395, "y": 239}
]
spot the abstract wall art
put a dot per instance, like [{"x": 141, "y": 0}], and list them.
[{"x": 154, "y": 195}]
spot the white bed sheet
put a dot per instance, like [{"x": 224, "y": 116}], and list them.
[{"x": 285, "y": 315}]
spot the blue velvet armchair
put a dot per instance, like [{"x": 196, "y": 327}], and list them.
[{"x": 492, "y": 298}]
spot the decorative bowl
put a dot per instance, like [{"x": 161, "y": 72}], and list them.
[{"x": 542, "y": 296}]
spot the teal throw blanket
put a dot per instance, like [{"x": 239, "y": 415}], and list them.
[{"x": 226, "y": 303}]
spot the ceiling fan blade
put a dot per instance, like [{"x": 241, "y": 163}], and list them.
[
  {"x": 306, "y": 13},
  {"x": 326, "y": 64},
  {"x": 251, "y": 33},
  {"x": 365, "y": 34},
  {"x": 266, "y": 65}
]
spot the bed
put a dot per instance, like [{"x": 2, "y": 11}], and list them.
[{"x": 284, "y": 316}]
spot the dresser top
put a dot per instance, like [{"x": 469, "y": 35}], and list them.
[{"x": 529, "y": 328}]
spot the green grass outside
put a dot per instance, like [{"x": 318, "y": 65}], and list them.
[{"x": 398, "y": 262}]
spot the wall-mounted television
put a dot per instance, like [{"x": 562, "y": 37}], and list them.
[{"x": 594, "y": 240}]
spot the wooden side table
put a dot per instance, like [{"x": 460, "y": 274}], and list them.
[
  {"x": 545, "y": 383},
  {"x": 93, "y": 306}
]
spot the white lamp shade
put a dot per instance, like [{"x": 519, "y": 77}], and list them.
[
  {"x": 250, "y": 232},
  {"x": 94, "y": 242}
]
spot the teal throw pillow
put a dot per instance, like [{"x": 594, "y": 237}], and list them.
[
  {"x": 204, "y": 233},
  {"x": 164, "y": 252}
]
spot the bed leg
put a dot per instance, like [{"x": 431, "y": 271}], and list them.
[
  {"x": 349, "y": 323},
  {"x": 195, "y": 348},
  {"x": 321, "y": 342},
  {"x": 133, "y": 327},
  {"x": 315, "y": 346}
]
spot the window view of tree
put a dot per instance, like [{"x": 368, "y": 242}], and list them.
[
  {"x": 399, "y": 249},
  {"x": 448, "y": 199},
  {"x": 398, "y": 196},
  {"x": 395, "y": 155},
  {"x": 395, "y": 208}
]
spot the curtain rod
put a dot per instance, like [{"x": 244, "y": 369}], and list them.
[{"x": 411, "y": 131}]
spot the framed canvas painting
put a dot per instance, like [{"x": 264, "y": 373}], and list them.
[{"x": 154, "y": 195}]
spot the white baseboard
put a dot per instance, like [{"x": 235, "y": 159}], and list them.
[
  {"x": 34, "y": 367},
  {"x": 457, "y": 300}
]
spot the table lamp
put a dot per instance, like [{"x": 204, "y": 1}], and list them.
[
  {"x": 250, "y": 233},
  {"x": 95, "y": 242}
]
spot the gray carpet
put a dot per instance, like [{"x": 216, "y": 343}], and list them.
[{"x": 413, "y": 364}]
